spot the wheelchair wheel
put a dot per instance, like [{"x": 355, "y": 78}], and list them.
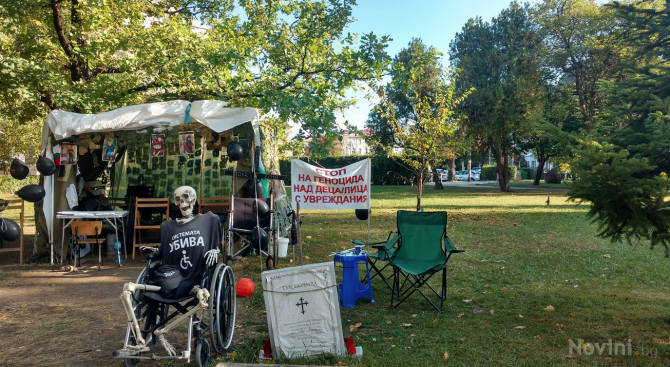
[
  {"x": 222, "y": 307},
  {"x": 202, "y": 353},
  {"x": 131, "y": 362}
]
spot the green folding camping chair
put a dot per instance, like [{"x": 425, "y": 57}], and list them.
[
  {"x": 420, "y": 255},
  {"x": 383, "y": 255}
]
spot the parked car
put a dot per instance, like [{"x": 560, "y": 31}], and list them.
[
  {"x": 461, "y": 175},
  {"x": 442, "y": 174},
  {"x": 478, "y": 170}
]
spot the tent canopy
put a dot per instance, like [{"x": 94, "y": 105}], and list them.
[
  {"x": 213, "y": 114},
  {"x": 62, "y": 125}
]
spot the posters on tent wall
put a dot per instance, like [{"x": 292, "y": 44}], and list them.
[
  {"x": 331, "y": 189},
  {"x": 109, "y": 150},
  {"x": 158, "y": 145},
  {"x": 68, "y": 154},
  {"x": 186, "y": 142},
  {"x": 303, "y": 311}
]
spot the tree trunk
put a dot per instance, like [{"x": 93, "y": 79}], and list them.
[
  {"x": 438, "y": 180},
  {"x": 502, "y": 162},
  {"x": 419, "y": 190},
  {"x": 469, "y": 166},
  {"x": 452, "y": 170},
  {"x": 538, "y": 173}
]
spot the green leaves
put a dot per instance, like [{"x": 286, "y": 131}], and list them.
[{"x": 290, "y": 57}]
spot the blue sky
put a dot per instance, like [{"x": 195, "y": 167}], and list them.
[{"x": 434, "y": 21}]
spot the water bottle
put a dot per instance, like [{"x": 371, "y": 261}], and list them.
[{"x": 117, "y": 251}]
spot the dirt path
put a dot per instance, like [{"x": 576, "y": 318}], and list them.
[{"x": 61, "y": 319}]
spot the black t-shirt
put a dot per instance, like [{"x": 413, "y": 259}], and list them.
[{"x": 185, "y": 245}]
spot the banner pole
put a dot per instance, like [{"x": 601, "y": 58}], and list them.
[{"x": 369, "y": 195}]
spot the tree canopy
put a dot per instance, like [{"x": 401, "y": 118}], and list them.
[
  {"x": 623, "y": 163},
  {"x": 501, "y": 61},
  {"x": 419, "y": 105},
  {"x": 292, "y": 57}
]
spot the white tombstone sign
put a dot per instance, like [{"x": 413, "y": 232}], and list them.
[{"x": 303, "y": 311}]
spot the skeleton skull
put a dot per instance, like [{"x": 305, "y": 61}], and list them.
[{"x": 185, "y": 198}]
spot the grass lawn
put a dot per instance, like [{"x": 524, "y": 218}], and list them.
[
  {"x": 529, "y": 183},
  {"x": 532, "y": 256}
]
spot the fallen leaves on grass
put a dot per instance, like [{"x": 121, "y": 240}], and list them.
[
  {"x": 445, "y": 356},
  {"x": 461, "y": 315},
  {"x": 549, "y": 308},
  {"x": 492, "y": 312},
  {"x": 520, "y": 316},
  {"x": 406, "y": 325},
  {"x": 477, "y": 311},
  {"x": 388, "y": 322},
  {"x": 355, "y": 327},
  {"x": 467, "y": 300},
  {"x": 519, "y": 327},
  {"x": 415, "y": 315},
  {"x": 500, "y": 361},
  {"x": 309, "y": 237},
  {"x": 607, "y": 256}
]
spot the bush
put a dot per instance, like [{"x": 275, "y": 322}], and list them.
[
  {"x": 552, "y": 177},
  {"x": 489, "y": 173},
  {"x": 9, "y": 185},
  {"x": 529, "y": 173},
  {"x": 385, "y": 170}
]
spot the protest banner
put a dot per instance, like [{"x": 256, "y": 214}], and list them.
[{"x": 331, "y": 189}]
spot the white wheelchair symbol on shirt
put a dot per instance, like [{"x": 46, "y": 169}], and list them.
[{"x": 184, "y": 261}]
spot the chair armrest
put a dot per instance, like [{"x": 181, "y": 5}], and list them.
[
  {"x": 389, "y": 244},
  {"x": 449, "y": 246},
  {"x": 153, "y": 256},
  {"x": 361, "y": 243}
]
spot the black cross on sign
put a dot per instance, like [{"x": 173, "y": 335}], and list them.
[{"x": 302, "y": 304}]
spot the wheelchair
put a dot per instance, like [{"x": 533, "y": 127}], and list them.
[
  {"x": 244, "y": 219},
  {"x": 214, "y": 298}
]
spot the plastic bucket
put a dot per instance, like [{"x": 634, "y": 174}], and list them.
[
  {"x": 282, "y": 246},
  {"x": 109, "y": 245}
]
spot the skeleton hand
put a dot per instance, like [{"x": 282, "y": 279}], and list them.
[
  {"x": 152, "y": 249},
  {"x": 211, "y": 256}
]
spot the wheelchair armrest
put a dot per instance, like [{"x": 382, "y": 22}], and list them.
[{"x": 153, "y": 256}]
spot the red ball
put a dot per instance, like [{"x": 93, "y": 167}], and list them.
[{"x": 245, "y": 287}]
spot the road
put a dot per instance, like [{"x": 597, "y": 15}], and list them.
[{"x": 492, "y": 184}]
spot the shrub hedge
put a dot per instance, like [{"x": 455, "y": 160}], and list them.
[
  {"x": 529, "y": 173},
  {"x": 9, "y": 185},
  {"x": 489, "y": 173},
  {"x": 385, "y": 170}
]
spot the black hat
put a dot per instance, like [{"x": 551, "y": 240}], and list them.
[{"x": 168, "y": 278}]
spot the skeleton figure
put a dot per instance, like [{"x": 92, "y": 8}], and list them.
[{"x": 185, "y": 198}]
